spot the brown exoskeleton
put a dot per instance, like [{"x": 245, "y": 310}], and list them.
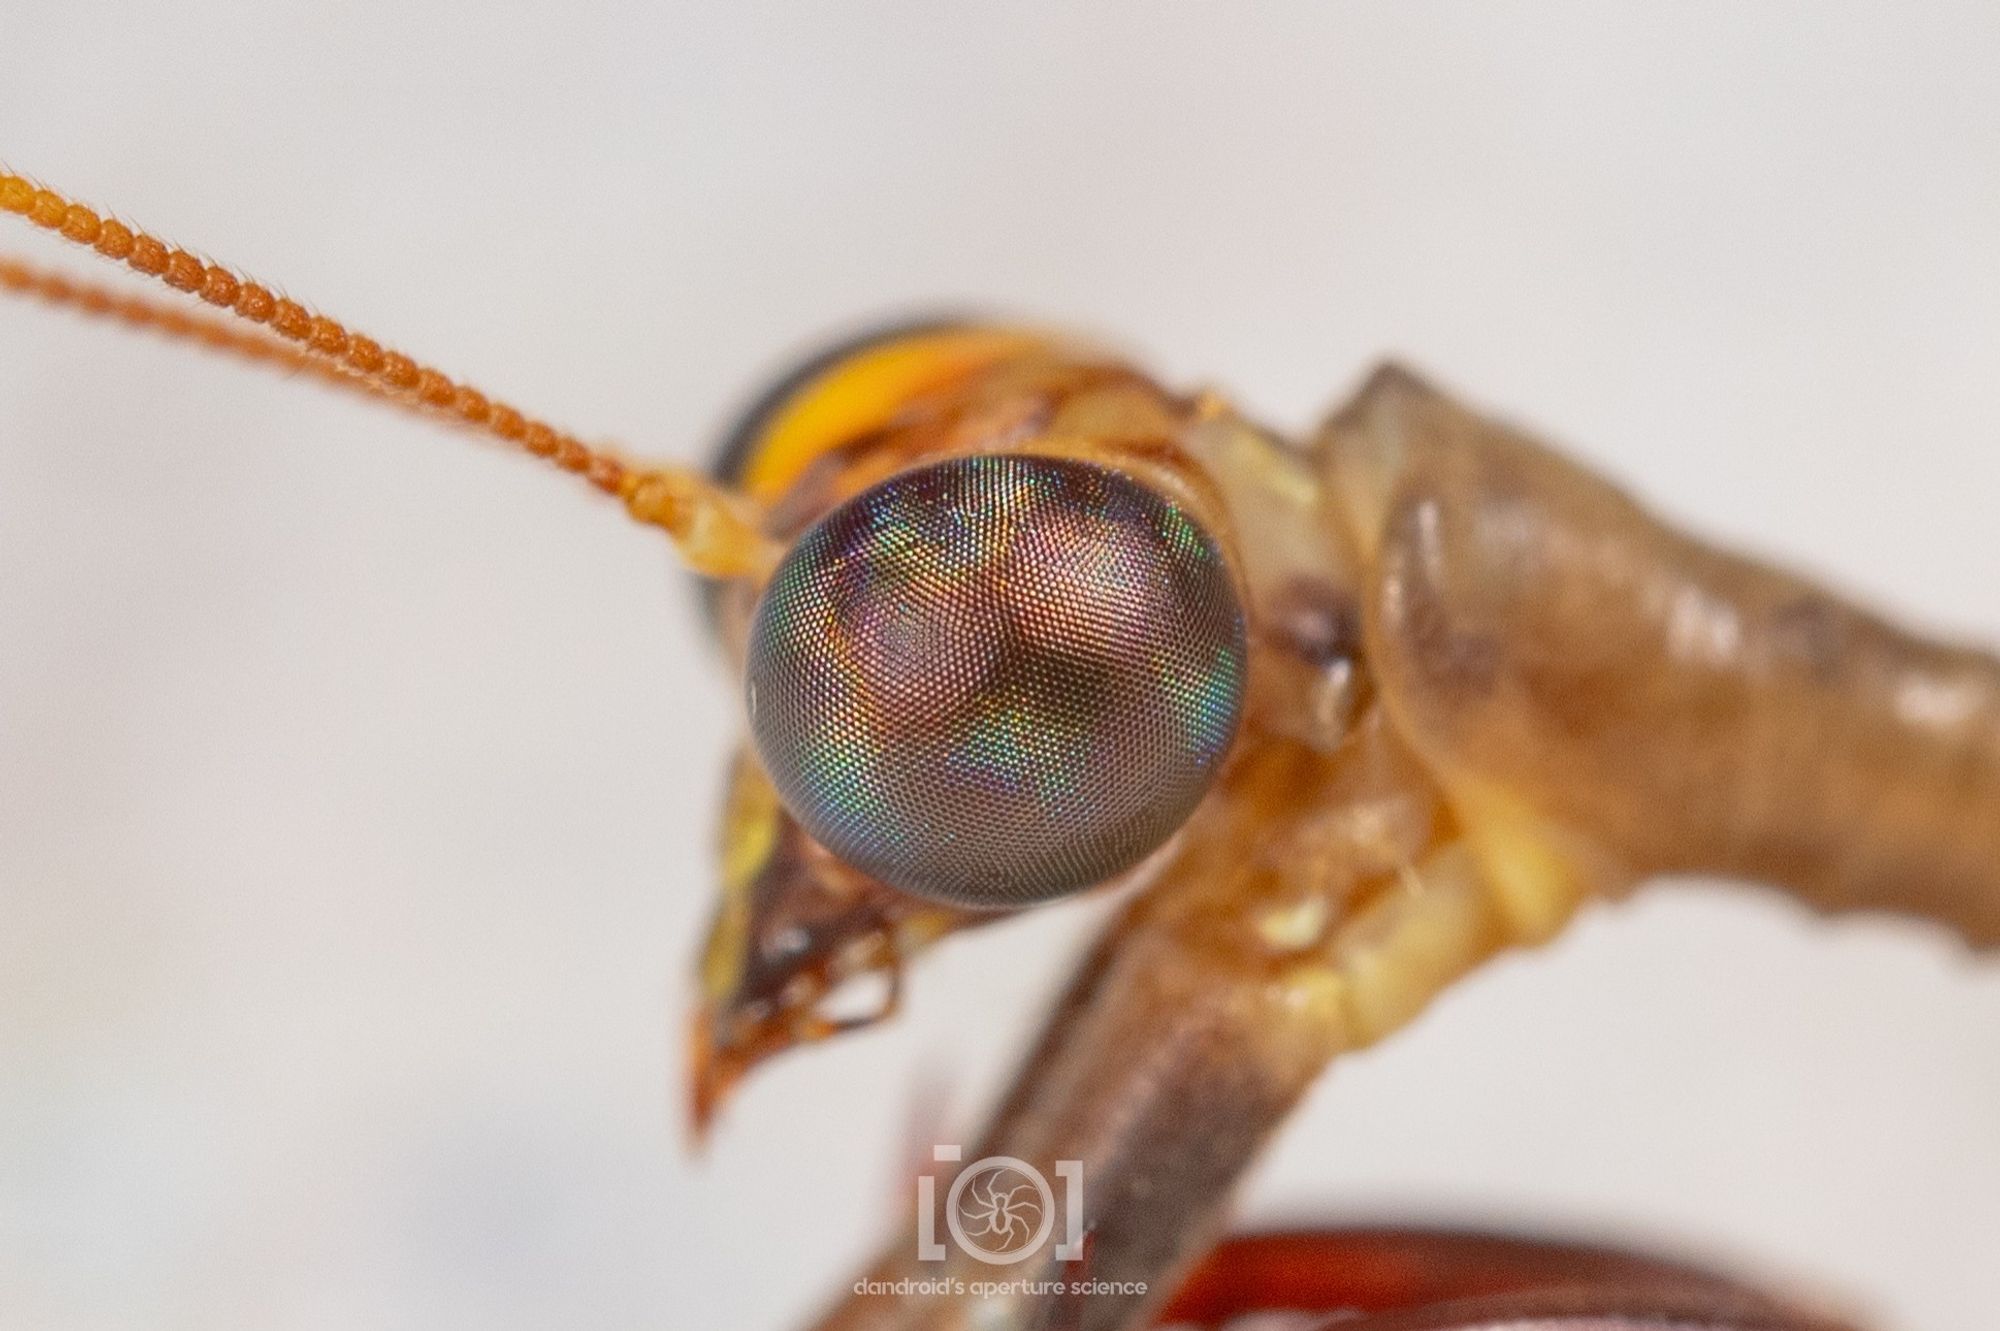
[{"x": 1482, "y": 687}]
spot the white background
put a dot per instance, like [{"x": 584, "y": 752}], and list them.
[{"x": 356, "y": 783}]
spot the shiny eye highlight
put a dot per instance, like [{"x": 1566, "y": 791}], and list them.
[{"x": 998, "y": 679}]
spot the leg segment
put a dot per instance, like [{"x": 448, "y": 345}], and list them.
[
  {"x": 1168, "y": 1064},
  {"x": 1444, "y": 1280}
]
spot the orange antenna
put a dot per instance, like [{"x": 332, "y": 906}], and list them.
[{"x": 714, "y": 529}]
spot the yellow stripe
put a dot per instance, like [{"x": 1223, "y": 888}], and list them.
[{"x": 865, "y": 391}]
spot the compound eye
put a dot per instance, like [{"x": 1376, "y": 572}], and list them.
[{"x": 999, "y": 679}]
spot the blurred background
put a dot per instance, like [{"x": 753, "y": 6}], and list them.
[{"x": 357, "y": 783}]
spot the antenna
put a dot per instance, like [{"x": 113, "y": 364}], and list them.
[{"x": 713, "y": 527}]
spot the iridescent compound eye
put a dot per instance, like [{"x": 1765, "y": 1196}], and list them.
[{"x": 998, "y": 679}]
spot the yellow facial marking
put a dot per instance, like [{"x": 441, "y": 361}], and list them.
[
  {"x": 749, "y": 835},
  {"x": 864, "y": 392}
]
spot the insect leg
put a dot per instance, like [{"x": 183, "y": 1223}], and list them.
[
  {"x": 1170, "y": 1061},
  {"x": 1451, "y": 1280}
]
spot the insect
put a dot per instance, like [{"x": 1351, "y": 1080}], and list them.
[{"x": 1338, "y": 719}]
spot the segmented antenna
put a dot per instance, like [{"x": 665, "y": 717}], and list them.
[
  {"x": 712, "y": 527},
  {"x": 100, "y": 301}
]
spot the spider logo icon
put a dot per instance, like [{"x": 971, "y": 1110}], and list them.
[{"x": 1001, "y": 1210}]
